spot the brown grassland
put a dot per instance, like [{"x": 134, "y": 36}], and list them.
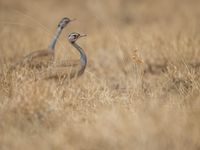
[{"x": 141, "y": 87}]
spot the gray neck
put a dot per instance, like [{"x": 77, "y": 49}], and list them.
[
  {"x": 55, "y": 38},
  {"x": 83, "y": 57}
]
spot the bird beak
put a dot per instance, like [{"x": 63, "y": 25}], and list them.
[
  {"x": 83, "y": 35},
  {"x": 74, "y": 19}
]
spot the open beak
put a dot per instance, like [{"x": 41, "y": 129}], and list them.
[{"x": 83, "y": 35}]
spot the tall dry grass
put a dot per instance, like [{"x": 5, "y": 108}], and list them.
[{"x": 140, "y": 89}]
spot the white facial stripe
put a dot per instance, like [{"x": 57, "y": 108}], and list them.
[{"x": 73, "y": 36}]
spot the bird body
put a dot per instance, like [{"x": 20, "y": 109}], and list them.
[
  {"x": 68, "y": 69},
  {"x": 60, "y": 72},
  {"x": 37, "y": 59},
  {"x": 42, "y": 58},
  {"x": 66, "y": 63}
]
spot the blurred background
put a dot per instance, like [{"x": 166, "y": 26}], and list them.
[
  {"x": 140, "y": 89},
  {"x": 115, "y": 28},
  {"x": 127, "y": 24}
]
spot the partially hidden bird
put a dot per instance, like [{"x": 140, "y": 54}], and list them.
[
  {"x": 68, "y": 69},
  {"x": 42, "y": 58}
]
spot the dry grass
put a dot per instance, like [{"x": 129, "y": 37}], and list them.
[{"x": 140, "y": 89}]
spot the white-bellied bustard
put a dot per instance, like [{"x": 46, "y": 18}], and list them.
[
  {"x": 40, "y": 58},
  {"x": 68, "y": 69}
]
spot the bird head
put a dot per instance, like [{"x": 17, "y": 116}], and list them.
[
  {"x": 64, "y": 21},
  {"x": 72, "y": 37}
]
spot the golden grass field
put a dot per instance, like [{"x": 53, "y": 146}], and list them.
[{"x": 141, "y": 87}]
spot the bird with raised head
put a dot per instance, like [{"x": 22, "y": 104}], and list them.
[
  {"x": 42, "y": 58},
  {"x": 69, "y": 69}
]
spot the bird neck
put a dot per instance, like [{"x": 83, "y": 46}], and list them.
[
  {"x": 55, "y": 38},
  {"x": 83, "y": 57}
]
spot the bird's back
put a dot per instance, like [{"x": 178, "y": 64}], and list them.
[
  {"x": 65, "y": 69},
  {"x": 37, "y": 59},
  {"x": 66, "y": 63},
  {"x": 58, "y": 73}
]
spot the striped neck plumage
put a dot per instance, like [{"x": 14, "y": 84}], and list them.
[{"x": 55, "y": 38}]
